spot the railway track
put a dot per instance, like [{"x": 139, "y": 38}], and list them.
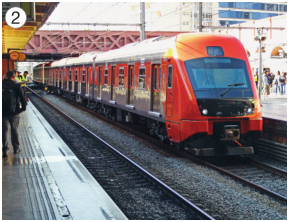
[
  {"x": 119, "y": 175},
  {"x": 233, "y": 172},
  {"x": 260, "y": 176}
]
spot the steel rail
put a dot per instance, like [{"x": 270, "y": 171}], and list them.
[
  {"x": 266, "y": 167},
  {"x": 203, "y": 215}
]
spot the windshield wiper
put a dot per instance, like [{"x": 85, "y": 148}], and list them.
[{"x": 231, "y": 86}]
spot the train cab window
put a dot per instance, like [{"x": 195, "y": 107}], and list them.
[
  {"x": 142, "y": 78},
  {"x": 83, "y": 75},
  {"x": 155, "y": 77},
  {"x": 113, "y": 76},
  {"x": 105, "y": 76},
  {"x": 76, "y": 71},
  {"x": 160, "y": 77},
  {"x": 121, "y": 77},
  {"x": 170, "y": 76}
]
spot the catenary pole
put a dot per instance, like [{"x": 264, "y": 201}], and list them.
[
  {"x": 142, "y": 20},
  {"x": 200, "y": 17}
]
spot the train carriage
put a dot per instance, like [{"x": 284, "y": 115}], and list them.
[{"x": 194, "y": 90}]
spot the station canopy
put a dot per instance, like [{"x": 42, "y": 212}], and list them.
[{"x": 18, "y": 38}]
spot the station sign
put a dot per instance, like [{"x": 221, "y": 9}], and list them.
[
  {"x": 22, "y": 57},
  {"x": 14, "y": 55}
]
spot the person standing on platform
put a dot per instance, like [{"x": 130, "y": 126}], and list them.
[
  {"x": 266, "y": 83},
  {"x": 283, "y": 83},
  {"x": 23, "y": 83},
  {"x": 256, "y": 79},
  {"x": 13, "y": 103},
  {"x": 277, "y": 82}
]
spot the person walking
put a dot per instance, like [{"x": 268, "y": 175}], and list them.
[
  {"x": 283, "y": 81},
  {"x": 13, "y": 103}
]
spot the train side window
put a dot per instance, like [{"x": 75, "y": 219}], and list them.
[
  {"x": 170, "y": 76},
  {"x": 76, "y": 71},
  {"x": 83, "y": 75},
  {"x": 105, "y": 76},
  {"x": 160, "y": 77},
  {"x": 121, "y": 77},
  {"x": 113, "y": 76},
  {"x": 155, "y": 77},
  {"x": 59, "y": 74},
  {"x": 70, "y": 75},
  {"x": 142, "y": 78}
]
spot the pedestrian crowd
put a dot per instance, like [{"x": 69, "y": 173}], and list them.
[
  {"x": 269, "y": 80},
  {"x": 14, "y": 102}
]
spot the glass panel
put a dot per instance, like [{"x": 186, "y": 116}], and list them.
[
  {"x": 160, "y": 77},
  {"x": 170, "y": 76},
  {"x": 113, "y": 76},
  {"x": 155, "y": 78},
  {"x": 142, "y": 78},
  {"x": 210, "y": 77},
  {"x": 99, "y": 75},
  {"x": 70, "y": 75},
  {"x": 106, "y": 77},
  {"x": 131, "y": 76},
  {"x": 87, "y": 76},
  {"x": 75, "y": 75},
  {"x": 83, "y": 75},
  {"x": 121, "y": 77}
]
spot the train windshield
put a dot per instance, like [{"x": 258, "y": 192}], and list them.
[{"x": 210, "y": 77}]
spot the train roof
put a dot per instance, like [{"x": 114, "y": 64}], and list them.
[{"x": 149, "y": 46}]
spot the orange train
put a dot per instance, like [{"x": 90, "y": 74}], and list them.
[{"x": 194, "y": 90}]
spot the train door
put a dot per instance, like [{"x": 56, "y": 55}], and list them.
[
  {"x": 170, "y": 92},
  {"x": 81, "y": 79},
  {"x": 112, "y": 80},
  {"x": 99, "y": 81},
  {"x": 75, "y": 86},
  {"x": 57, "y": 77},
  {"x": 130, "y": 84},
  {"x": 88, "y": 73},
  {"x": 60, "y": 79},
  {"x": 155, "y": 89}
]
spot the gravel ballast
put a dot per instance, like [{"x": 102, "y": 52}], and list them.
[{"x": 218, "y": 195}]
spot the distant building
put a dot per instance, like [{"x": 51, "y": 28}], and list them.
[
  {"x": 230, "y": 13},
  {"x": 183, "y": 16}
]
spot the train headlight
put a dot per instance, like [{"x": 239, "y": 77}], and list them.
[
  {"x": 250, "y": 110},
  {"x": 205, "y": 111}
]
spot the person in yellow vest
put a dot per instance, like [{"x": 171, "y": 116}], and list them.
[
  {"x": 256, "y": 79},
  {"x": 18, "y": 78},
  {"x": 23, "y": 83}
]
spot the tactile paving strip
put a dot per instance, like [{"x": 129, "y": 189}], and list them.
[{"x": 33, "y": 173}]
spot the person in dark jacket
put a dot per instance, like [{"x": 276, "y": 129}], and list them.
[{"x": 12, "y": 118}]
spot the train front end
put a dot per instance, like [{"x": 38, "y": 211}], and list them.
[{"x": 221, "y": 114}]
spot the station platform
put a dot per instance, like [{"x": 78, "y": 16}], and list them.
[
  {"x": 46, "y": 181},
  {"x": 274, "y": 107}
]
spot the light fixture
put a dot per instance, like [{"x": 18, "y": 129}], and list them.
[{"x": 205, "y": 111}]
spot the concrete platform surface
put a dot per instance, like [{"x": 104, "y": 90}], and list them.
[
  {"x": 274, "y": 108},
  {"x": 46, "y": 181}
]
